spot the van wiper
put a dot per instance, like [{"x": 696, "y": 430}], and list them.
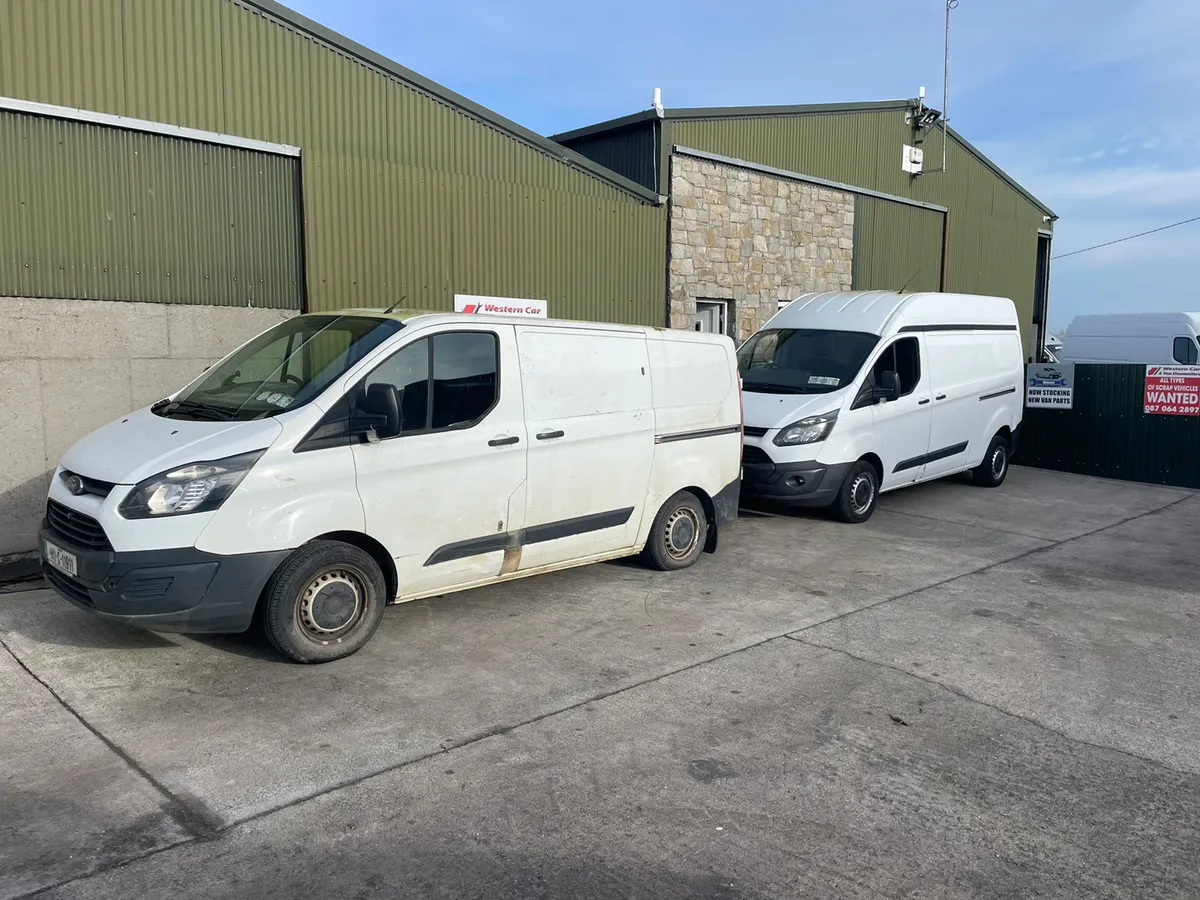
[
  {"x": 763, "y": 388},
  {"x": 191, "y": 408}
]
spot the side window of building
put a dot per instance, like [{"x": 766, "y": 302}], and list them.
[
  {"x": 447, "y": 381},
  {"x": 1186, "y": 353},
  {"x": 904, "y": 358}
]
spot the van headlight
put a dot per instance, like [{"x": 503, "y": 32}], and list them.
[
  {"x": 196, "y": 487},
  {"x": 806, "y": 431}
]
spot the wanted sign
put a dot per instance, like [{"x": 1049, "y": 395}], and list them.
[
  {"x": 1172, "y": 391},
  {"x": 1049, "y": 386}
]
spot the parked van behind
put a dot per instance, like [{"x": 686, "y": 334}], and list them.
[
  {"x": 851, "y": 394},
  {"x": 1167, "y": 338},
  {"x": 339, "y": 462}
]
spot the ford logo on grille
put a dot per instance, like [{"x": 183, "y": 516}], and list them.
[{"x": 75, "y": 484}]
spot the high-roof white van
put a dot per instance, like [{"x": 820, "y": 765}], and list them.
[
  {"x": 850, "y": 394},
  {"x": 1167, "y": 338},
  {"x": 339, "y": 462}
]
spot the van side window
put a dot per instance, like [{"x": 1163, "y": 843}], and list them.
[
  {"x": 1185, "y": 351},
  {"x": 463, "y": 388},
  {"x": 904, "y": 358}
]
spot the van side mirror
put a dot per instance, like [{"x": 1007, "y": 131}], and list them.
[
  {"x": 887, "y": 388},
  {"x": 376, "y": 412}
]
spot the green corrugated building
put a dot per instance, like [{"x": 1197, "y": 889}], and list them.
[{"x": 766, "y": 202}]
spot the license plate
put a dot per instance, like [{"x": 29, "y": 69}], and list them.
[{"x": 61, "y": 559}]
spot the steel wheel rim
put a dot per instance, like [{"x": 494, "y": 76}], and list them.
[
  {"x": 681, "y": 533},
  {"x": 331, "y": 604},
  {"x": 999, "y": 462},
  {"x": 862, "y": 493}
]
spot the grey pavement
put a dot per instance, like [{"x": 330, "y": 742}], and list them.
[{"x": 976, "y": 694}]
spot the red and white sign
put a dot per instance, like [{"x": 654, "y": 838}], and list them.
[
  {"x": 1173, "y": 390},
  {"x": 500, "y": 306}
]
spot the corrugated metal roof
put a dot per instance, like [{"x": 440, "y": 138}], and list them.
[
  {"x": 761, "y": 112},
  {"x": 381, "y": 63}
]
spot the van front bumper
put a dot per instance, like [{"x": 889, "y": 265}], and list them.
[
  {"x": 794, "y": 484},
  {"x": 180, "y": 590}
]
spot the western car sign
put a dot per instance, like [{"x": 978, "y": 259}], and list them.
[
  {"x": 1050, "y": 387},
  {"x": 500, "y": 306},
  {"x": 1172, "y": 391}
]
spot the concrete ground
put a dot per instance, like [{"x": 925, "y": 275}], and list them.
[{"x": 976, "y": 694}]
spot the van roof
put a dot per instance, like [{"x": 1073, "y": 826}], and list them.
[
  {"x": 873, "y": 311},
  {"x": 437, "y": 317},
  {"x": 1109, "y": 321}
]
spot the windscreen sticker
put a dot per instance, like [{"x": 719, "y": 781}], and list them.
[
  {"x": 824, "y": 379},
  {"x": 275, "y": 399}
]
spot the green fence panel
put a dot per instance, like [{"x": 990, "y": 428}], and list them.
[{"x": 1105, "y": 433}]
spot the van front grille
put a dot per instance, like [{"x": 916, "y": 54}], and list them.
[
  {"x": 754, "y": 456},
  {"x": 76, "y": 527}
]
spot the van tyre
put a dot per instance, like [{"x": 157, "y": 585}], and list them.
[
  {"x": 994, "y": 468},
  {"x": 859, "y": 495},
  {"x": 678, "y": 534},
  {"x": 324, "y": 602}
]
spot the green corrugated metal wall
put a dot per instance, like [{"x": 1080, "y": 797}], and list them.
[
  {"x": 896, "y": 247},
  {"x": 98, "y": 213},
  {"x": 632, "y": 152},
  {"x": 403, "y": 194},
  {"x": 992, "y": 239},
  {"x": 1106, "y": 433}
]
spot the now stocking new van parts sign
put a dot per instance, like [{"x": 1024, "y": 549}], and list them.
[
  {"x": 1049, "y": 387},
  {"x": 1172, "y": 390}
]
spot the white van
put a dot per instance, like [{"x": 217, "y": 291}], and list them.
[
  {"x": 338, "y": 462},
  {"x": 850, "y": 394},
  {"x": 1167, "y": 338}
]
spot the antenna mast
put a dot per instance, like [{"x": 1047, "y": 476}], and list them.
[{"x": 950, "y": 4}]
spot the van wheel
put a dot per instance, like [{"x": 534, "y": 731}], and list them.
[
  {"x": 678, "y": 534},
  {"x": 324, "y": 602},
  {"x": 856, "y": 500},
  {"x": 994, "y": 468}
]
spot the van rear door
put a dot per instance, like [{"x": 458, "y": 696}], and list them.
[{"x": 591, "y": 440}]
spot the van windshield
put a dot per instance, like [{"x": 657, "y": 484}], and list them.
[
  {"x": 802, "y": 360},
  {"x": 281, "y": 369}
]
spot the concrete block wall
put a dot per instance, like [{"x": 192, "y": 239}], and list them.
[
  {"x": 69, "y": 366},
  {"x": 752, "y": 240}
]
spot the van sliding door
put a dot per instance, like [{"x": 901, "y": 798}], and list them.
[{"x": 589, "y": 416}]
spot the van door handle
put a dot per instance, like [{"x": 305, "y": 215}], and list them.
[
  {"x": 940, "y": 397},
  {"x": 503, "y": 441},
  {"x": 922, "y": 402},
  {"x": 548, "y": 435}
]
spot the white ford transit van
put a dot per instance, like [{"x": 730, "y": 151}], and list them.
[
  {"x": 1167, "y": 338},
  {"x": 339, "y": 462},
  {"x": 851, "y": 394}
]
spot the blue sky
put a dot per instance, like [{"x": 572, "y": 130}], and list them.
[{"x": 1093, "y": 105}]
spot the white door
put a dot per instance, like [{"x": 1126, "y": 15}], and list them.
[
  {"x": 591, "y": 441},
  {"x": 963, "y": 366},
  {"x": 710, "y": 316},
  {"x": 902, "y": 425},
  {"x": 445, "y": 496}
]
